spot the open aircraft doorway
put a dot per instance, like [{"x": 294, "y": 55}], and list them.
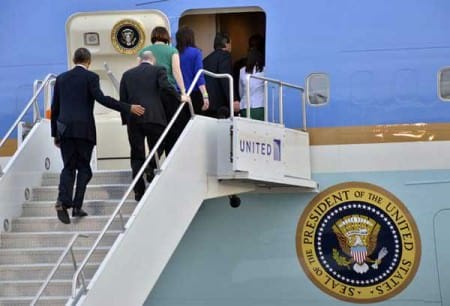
[{"x": 239, "y": 23}]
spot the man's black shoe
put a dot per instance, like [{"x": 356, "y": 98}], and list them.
[
  {"x": 138, "y": 197},
  {"x": 62, "y": 214},
  {"x": 149, "y": 177},
  {"x": 78, "y": 212}
]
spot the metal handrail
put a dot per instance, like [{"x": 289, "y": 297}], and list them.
[
  {"x": 122, "y": 202},
  {"x": 48, "y": 96},
  {"x": 32, "y": 101},
  {"x": 57, "y": 265},
  {"x": 111, "y": 76},
  {"x": 280, "y": 97},
  {"x": 141, "y": 171},
  {"x": 36, "y": 112},
  {"x": 217, "y": 76},
  {"x": 138, "y": 175}
]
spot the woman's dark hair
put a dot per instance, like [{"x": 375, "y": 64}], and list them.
[
  {"x": 160, "y": 34},
  {"x": 185, "y": 38},
  {"x": 81, "y": 55},
  {"x": 220, "y": 40},
  {"x": 255, "y": 61},
  {"x": 256, "y": 41}
]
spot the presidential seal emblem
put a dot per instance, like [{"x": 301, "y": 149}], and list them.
[
  {"x": 128, "y": 36},
  {"x": 358, "y": 243}
]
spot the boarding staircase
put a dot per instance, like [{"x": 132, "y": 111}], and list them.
[
  {"x": 103, "y": 259},
  {"x": 37, "y": 239}
]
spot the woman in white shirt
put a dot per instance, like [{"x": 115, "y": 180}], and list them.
[{"x": 254, "y": 66}]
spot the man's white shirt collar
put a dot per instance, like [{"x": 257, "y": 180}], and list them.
[
  {"x": 148, "y": 62},
  {"x": 80, "y": 65}
]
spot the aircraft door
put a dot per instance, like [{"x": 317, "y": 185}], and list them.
[{"x": 114, "y": 38}]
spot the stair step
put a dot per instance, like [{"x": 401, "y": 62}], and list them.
[
  {"x": 93, "y": 207},
  {"x": 98, "y": 178},
  {"x": 53, "y": 239},
  {"x": 30, "y": 288},
  {"x": 37, "y": 239},
  {"x": 41, "y": 271},
  {"x": 48, "y": 224},
  {"x": 47, "y": 255},
  {"x": 26, "y": 300},
  {"x": 93, "y": 192}
]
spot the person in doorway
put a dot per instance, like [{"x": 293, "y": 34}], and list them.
[
  {"x": 191, "y": 63},
  {"x": 219, "y": 61},
  {"x": 144, "y": 84},
  {"x": 255, "y": 67},
  {"x": 255, "y": 41},
  {"x": 73, "y": 129}
]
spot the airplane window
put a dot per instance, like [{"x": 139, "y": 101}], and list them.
[
  {"x": 444, "y": 84},
  {"x": 318, "y": 88}
]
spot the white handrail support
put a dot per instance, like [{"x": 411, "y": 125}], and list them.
[
  {"x": 57, "y": 265},
  {"x": 32, "y": 101},
  {"x": 217, "y": 76},
  {"x": 281, "y": 84}
]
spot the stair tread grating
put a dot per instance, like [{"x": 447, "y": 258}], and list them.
[{"x": 25, "y": 266}]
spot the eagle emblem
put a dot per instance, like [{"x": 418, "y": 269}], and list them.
[
  {"x": 128, "y": 36},
  {"x": 357, "y": 236}
]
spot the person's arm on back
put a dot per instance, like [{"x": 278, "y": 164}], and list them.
[
  {"x": 96, "y": 92},
  {"x": 164, "y": 85}
]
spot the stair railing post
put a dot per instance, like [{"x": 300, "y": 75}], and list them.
[
  {"x": 280, "y": 85},
  {"x": 303, "y": 95},
  {"x": 75, "y": 267},
  {"x": 48, "y": 96},
  {"x": 280, "y": 103},
  {"x": 247, "y": 94},
  {"x": 122, "y": 221},
  {"x": 266, "y": 101},
  {"x": 36, "y": 112},
  {"x": 57, "y": 265},
  {"x": 157, "y": 162},
  {"x": 30, "y": 103}
]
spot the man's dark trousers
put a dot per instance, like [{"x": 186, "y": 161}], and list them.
[
  {"x": 137, "y": 133},
  {"x": 76, "y": 154}
]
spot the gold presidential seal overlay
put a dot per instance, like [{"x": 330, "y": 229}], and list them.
[
  {"x": 358, "y": 243},
  {"x": 128, "y": 36}
]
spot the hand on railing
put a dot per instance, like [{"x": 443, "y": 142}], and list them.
[{"x": 185, "y": 98}]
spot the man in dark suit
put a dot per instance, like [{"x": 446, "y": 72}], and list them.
[
  {"x": 219, "y": 61},
  {"x": 145, "y": 84},
  {"x": 73, "y": 129}
]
